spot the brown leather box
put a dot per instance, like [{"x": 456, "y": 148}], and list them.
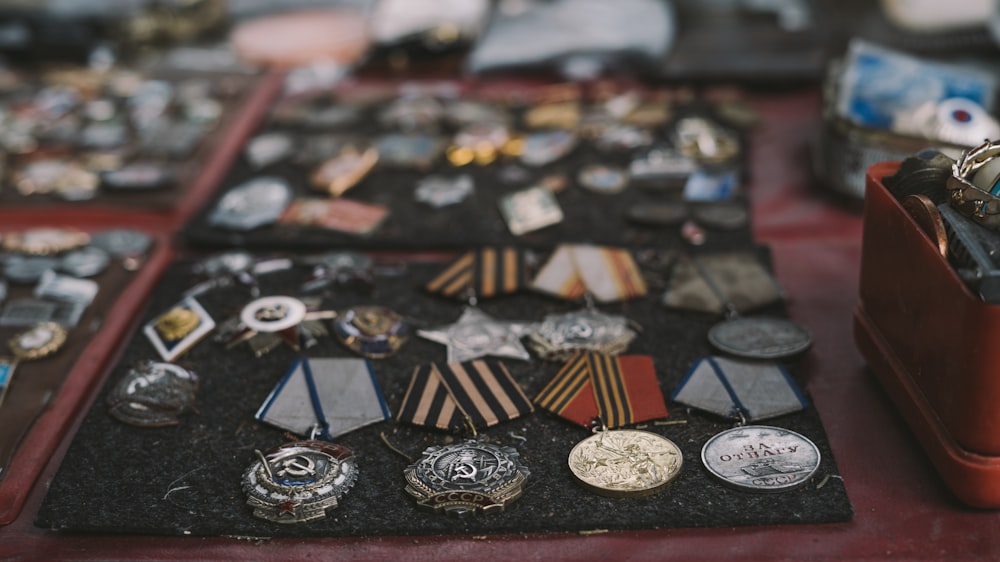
[{"x": 933, "y": 345}]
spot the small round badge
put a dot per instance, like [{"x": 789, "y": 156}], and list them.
[
  {"x": 41, "y": 340},
  {"x": 273, "y": 314},
  {"x": 371, "y": 331}
]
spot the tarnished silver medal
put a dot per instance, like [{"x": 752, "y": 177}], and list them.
[
  {"x": 761, "y": 458},
  {"x": 467, "y": 477}
]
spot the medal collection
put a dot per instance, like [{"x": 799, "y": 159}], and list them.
[
  {"x": 111, "y": 134},
  {"x": 322, "y": 388},
  {"x": 383, "y": 167}
]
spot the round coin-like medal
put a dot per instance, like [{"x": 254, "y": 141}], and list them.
[
  {"x": 761, "y": 458},
  {"x": 41, "y": 340},
  {"x": 467, "y": 477},
  {"x": 760, "y": 337},
  {"x": 273, "y": 314},
  {"x": 27, "y": 269},
  {"x": 371, "y": 331},
  {"x": 153, "y": 394},
  {"x": 625, "y": 462},
  {"x": 299, "y": 481}
]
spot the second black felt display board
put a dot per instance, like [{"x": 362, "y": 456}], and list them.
[{"x": 186, "y": 479}]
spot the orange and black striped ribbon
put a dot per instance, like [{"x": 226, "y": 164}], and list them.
[
  {"x": 488, "y": 271},
  {"x": 621, "y": 390},
  {"x": 452, "y": 395}
]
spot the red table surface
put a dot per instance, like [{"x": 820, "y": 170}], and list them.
[{"x": 903, "y": 510}]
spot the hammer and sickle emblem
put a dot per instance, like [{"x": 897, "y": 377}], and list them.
[{"x": 465, "y": 472}]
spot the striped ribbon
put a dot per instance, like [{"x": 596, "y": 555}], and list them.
[
  {"x": 453, "y": 395},
  {"x": 488, "y": 271},
  {"x": 621, "y": 390}
]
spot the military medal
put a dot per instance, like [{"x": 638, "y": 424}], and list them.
[
  {"x": 560, "y": 335},
  {"x": 138, "y": 176},
  {"x": 760, "y": 337},
  {"x": 268, "y": 321},
  {"x": 760, "y": 458},
  {"x": 473, "y": 475},
  {"x": 26, "y": 270},
  {"x": 254, "y": 203},
  {"x": 625, "y": 463},
  {"x": 574, "y": 270},
  {"x": 178, "y": 329},
  {"x": 153, "y": 394},
  {"x": 37, "y": 342},
  {"x": 545, "y": 147},
  {"x": 413, "y": 150},
  {"x": 614, "y": 391},
  {"x": 476, "y": 334},
  {"x": 299, "y": 481},
  {"x": 468, "y": 477},
  {"x": 371, "y": 331},
  {"x": 486, "y": 273},
  {"x": 342, "y": 172},
  {"x": 269, "y": 148},
  {"x": 85, "y": 262}
]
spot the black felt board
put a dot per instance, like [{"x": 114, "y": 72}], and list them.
[
  {"x": 186, "y": 480},
  {"x": 411, "y": 225}
]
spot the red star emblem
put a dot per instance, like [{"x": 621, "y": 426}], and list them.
[{"x": 287, "y": 507}]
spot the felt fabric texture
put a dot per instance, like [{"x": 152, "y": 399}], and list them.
[
  {"x": 186, "y": 479},
  {"x": 588, "y": 217}
]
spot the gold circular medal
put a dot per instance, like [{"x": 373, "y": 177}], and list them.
[
  {"x": 625, "y": 462},
  {"x": 45, "y": 241},
  {"x": 38, "y": 341}
]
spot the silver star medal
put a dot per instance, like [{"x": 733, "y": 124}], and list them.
[{"x": 476, "y": 334}]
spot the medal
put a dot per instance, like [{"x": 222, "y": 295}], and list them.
[
  {"x": 300, "y": 481},
  {"x": 138, "y": 176},
  {"x": 476, "y": 334},
  {"x": 468, "y": 477},
  {"x": 85, "y": 262},
  {"x": 37, "y": 342},
  {"x": 560, "y": 335},
  {"x": 574, "y": 270},
  {"x": 705, "y": 141},
  {"x": 441, "y": 191},
  {"x": 529, "y": 210},
  {"x": 760, "y": 458},
  {"x": 254, "y": 203},
  {"x": 178, "y": 329},
  {"x": 760, "y": 337},
  {"x": 374, "y": 332},
  {"x": 268, "y": 148},
  {"x": 487, "y": 272},
  {"x": 617, "y": 391},
  {"x": 25, "y": 270},
  {"x": 625, "y": 463},
  {"x": 342, "y": 172},
  {"x": 268, "y": 321},
  {"x": 411, "y": 150},
  {"x": 544, "y": 147},
  {"x": 340, "y": 215},
  {"x": 153, "y": 394},
  {"x": 122, "y": 243}
]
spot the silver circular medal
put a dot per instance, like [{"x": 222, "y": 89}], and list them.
[
  {"x": 85, "y": 262},
  {"x": 299, "y": 481},
  {"x": 761, "y": 458},
  {"x": 467, "y": 477},
  {"x": 122, "y": 242},
  {"x": 254, "y": 203},
  {"x": 760, "y": 337},
  {"x": 273, "y": 314},
  {"x": 153, "y": 394}
]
